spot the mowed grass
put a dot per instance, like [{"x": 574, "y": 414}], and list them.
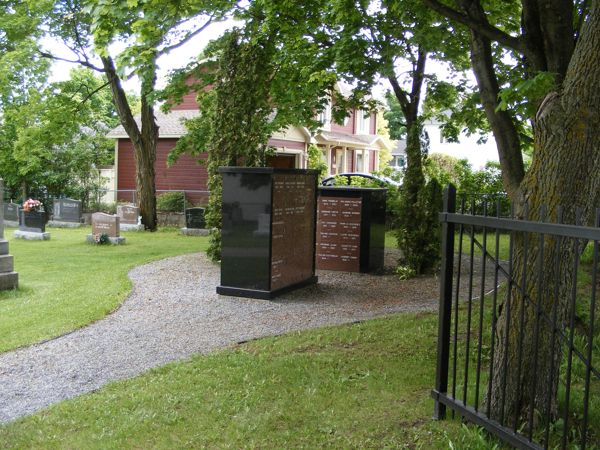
[
  {"x": 66, "y": 283},
  {"x": 364, "y": 385}
]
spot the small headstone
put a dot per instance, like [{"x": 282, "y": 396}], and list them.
[
  {"x": 195, "y": 225},
  {"x": 105, "y": 224},
  {"x": 130, "y": 217},
  {"x": 9, "y": 279},
  {"x": 11, "y": 214},
  {"x": 67, "y": 213},
  {"x": 194, "y": 218},
  {"x": 32, "y": 226}
]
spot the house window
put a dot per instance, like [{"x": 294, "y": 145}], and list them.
[
  {"x": 363, "y": 122},
  {"x": 325, "y": 116},
  {"x": 360, "y": 163},
  {"x": 398, "y": 162},
  {"x": 339, "y": 161}
]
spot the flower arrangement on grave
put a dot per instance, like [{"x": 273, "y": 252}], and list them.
[
  {"x": 101, "y": 239},
  {"x": 31, "y": 205}
]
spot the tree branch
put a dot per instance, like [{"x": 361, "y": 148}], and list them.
[
  {"x": 90, "y": 94},
  {"x": 72, "y": 61},
  {"x": 400, "y": 94},
  {"x": 484, "y": 28},
  {"x": 189, "y": 36},
  {"x": 418, "y": 76}
]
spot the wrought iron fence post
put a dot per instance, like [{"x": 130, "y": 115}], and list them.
[{"x": 446, "y": 274}]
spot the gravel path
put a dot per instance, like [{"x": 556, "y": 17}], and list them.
[{"x": 174, "y": 312}]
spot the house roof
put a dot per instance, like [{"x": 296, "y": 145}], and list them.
[
  {"x": 400, "y": 147},
  {"x": 170, "y": 125},
  {"x": 354, "y": 140}
]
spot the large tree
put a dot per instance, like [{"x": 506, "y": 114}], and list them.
[
  {"x": 58, "y": 138},
  {"x": 147, "y": 29},
  {"x": 249, "y": 86},
  {"x": 554, "y": 40}
]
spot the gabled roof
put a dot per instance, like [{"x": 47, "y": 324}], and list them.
[
  {"x": 354, "y": 140},
  {"x": 170, "y": 125}
]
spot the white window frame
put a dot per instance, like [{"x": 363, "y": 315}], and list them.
[
  {"x": 325, "y": 116},
  {"x": 363, "y": 122}
]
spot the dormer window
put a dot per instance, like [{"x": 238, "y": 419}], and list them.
[
  {"x": 363, "y": 122},
  {"x": 325, "y": 116}
]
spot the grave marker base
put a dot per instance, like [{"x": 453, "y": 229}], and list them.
[
  {"x": 261, "y": 294},
  {"x": 195, "y": 231},
  {"x": 131, "y": 227},
  {"x": 113, "y": 240},
  {"x": 60, "y": 224},
  {"x": 31, "y": 235}
]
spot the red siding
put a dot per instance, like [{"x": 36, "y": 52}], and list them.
[
  {"x": 287, "y": 144},
  {"x": 348, "y": 128},
  {"x": 373, "y": 124},
  {"x": 186, "y": 174},
  {"x": 188, "y": 102},
  {"x": 372, "y": 156}
]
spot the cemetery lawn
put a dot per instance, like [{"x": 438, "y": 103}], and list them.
[
  {"x": 364, "y": 385},
  {"x": 66, "y": 283}
]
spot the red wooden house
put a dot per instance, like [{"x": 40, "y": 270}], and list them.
[{"x": 349, "y": 147}]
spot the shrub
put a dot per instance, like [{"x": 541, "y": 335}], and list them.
[
  {"x": 108, "y": 208},
  {"x": 171, "y": 202}
]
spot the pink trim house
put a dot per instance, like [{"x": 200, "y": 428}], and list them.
[{"x": 353, "y": 146}]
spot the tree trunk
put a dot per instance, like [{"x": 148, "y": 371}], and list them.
[
  {"x": 144, "y": 141},
  {"x": 501, "y": 122},
  {"x": 564, "y": 172}
]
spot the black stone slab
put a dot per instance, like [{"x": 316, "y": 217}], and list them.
[
  {"x": 268, "y": 233},
  {"x": 34, "y": 221},
  {"x": 194, "y": 218}
]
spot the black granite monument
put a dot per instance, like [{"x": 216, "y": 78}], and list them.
[
  {"x": 194, "y": 218},
  {"x": 268, "y": 234}
]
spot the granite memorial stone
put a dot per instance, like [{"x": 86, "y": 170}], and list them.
[
  {"x": 268, "y": 235},
  {"x": 32, "y": 225},
  {"x": 107, "y": 224},
  {"x": 195, "y": 225},
  {"x": 351, "y": 229},
  {"x": 129, "y": 216},
  {"x": 11, "y": 214},
  {"x": 9, "y": 279},
  {"x": 67, "y": 213}
]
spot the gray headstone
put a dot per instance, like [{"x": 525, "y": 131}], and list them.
[
  {"x": 9, "y": 279},
  {"x": 11, "y": 211},
  {"x": 67, "y": 210},
  {"x": 128, "y": 214},
  {"x": 1, "y": 209},
  {"x": 194, "y": 218},
  {"x": 105, "y": 224}
]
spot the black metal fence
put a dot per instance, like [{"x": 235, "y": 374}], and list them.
[{"x": 487, "y": 272}]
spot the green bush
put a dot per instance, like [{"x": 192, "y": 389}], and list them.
[
  {"x": 108, "y": 208},
  {"x": 171, "y": 202}
]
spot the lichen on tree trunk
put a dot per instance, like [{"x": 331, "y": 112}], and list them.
[{"x": 564, "y": 172}]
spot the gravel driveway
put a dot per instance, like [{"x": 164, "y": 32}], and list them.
[{"x": 174, "y": 312}]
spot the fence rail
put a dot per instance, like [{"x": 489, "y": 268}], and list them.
[
  {"x": 546, "y": 394},
  {"x": 107, "y": 196}
]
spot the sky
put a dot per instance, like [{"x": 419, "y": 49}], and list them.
[
  {"x": 176, "y": 59},
  {"x": 180, "y": 57}
]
